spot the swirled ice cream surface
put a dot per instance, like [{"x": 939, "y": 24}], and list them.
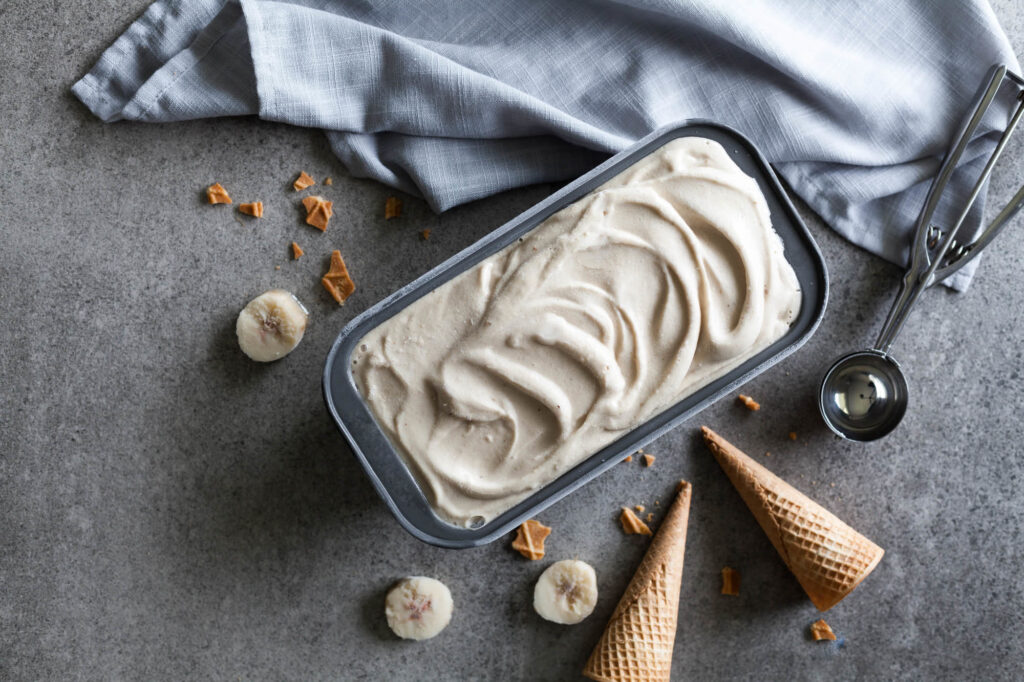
[{"x": 608, "y": 312}]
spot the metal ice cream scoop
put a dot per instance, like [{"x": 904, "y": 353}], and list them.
[{"x": 864, "y": 394}]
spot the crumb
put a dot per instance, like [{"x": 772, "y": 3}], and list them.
[
  {"x": 749, "y": 402},
  {"x": 337, "y": 280},
  {"x": 730, "y": 581},
  {"x": 792, "y": 435},
  {"x": 392, "y": 208},
  {"x": 833, "y": 484},
  {"x": 255, "y": 209},
  {"x": 296, "y": 251},
  {"x": 216, "y": 194},
  {"x": 820, "y": 630},
  {"x": 328, "y": 181},
  {"x": 530, "y": 539},
  {"x": 649, "y": 460},
  {"x": 277, "y": 267},
  {"x": 639, "y": 508},
  {"x": 650, "y": 517},
  {"x": 318, "y": 212},
  {"x": 303, "y": 181},
  {"x": 633, "y": 525},
  {"x": 640, "y": 450},
  {"x": 629, "y": 458},
  {"x": 657, "y": 503},
  {"x": 425, "y": 234},
  {"x": 767, "y": 454}
]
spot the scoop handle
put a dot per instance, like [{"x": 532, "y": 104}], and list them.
[
  {"x": 974, "y": 249},
  {"x": 910, "y": 290},
  {"x": 924, "y": 269}
]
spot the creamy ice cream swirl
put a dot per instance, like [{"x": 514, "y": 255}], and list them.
[{"x": 607, "y": 313}]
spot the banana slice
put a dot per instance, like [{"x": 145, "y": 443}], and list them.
[
  {"x": 566, "y": 592},
  {"x": 418, "y": 607},
  {"x": 271, "y": 325}
]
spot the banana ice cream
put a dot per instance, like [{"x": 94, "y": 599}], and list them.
[{"x": 608, "y": 312}]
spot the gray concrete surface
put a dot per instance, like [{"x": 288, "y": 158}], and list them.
[{"x": 170, "y": 510}]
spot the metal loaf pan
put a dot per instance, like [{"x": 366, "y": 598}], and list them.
[{"x": 385, "y": 466}]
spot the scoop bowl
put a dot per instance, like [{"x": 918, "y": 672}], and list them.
[{"x": 863, "y": 396}]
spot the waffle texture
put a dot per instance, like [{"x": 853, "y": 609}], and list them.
[
  {"x": 637, "y": 643},
  {"x": 828, "y": 558}
]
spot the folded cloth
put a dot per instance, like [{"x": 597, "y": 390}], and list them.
[{"x": 854, "y": 103}]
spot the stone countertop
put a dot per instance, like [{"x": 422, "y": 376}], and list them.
[{"x": 171, "y": 510}]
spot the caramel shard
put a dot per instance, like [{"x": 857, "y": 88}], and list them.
[
  {"x": 303, "y": 181},
  {"x": 296, "y": 251},
  {"x": 650, "y": 517},
  {"x": 255, "y": 209},
  {"x": 792, "y": 435},
  {"x": 820, "y": 630},
  {"x": 392, "y": 208},
  {"x": 730, "y": 581},
  {"x": 530, "y": 539},
  {"x": 328, "y": 181},
  {"x": 633, "y": 525},
  {"x": 337, "y": 280},
  {"x": 649, "y": 460},
  {"x": 639, "y": 508},
  {"x": 749, "y": 402},
  {"x": 318, "y": 212},
  {"x": 425, "y": 234},
  {"x": 629, "y": 458},
  {"x": 217, "y": 194}
]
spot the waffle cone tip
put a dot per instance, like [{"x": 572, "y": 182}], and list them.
[
  {"x": 638, "y": 640},
  {"x": 828, "y": 557}
]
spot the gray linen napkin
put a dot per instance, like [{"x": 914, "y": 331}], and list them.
[{"x": 853, "y": 102}]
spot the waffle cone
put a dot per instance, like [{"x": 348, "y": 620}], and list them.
[
  {"x": 637, "y": 642},
  {"x": 828, "y": 558}
]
